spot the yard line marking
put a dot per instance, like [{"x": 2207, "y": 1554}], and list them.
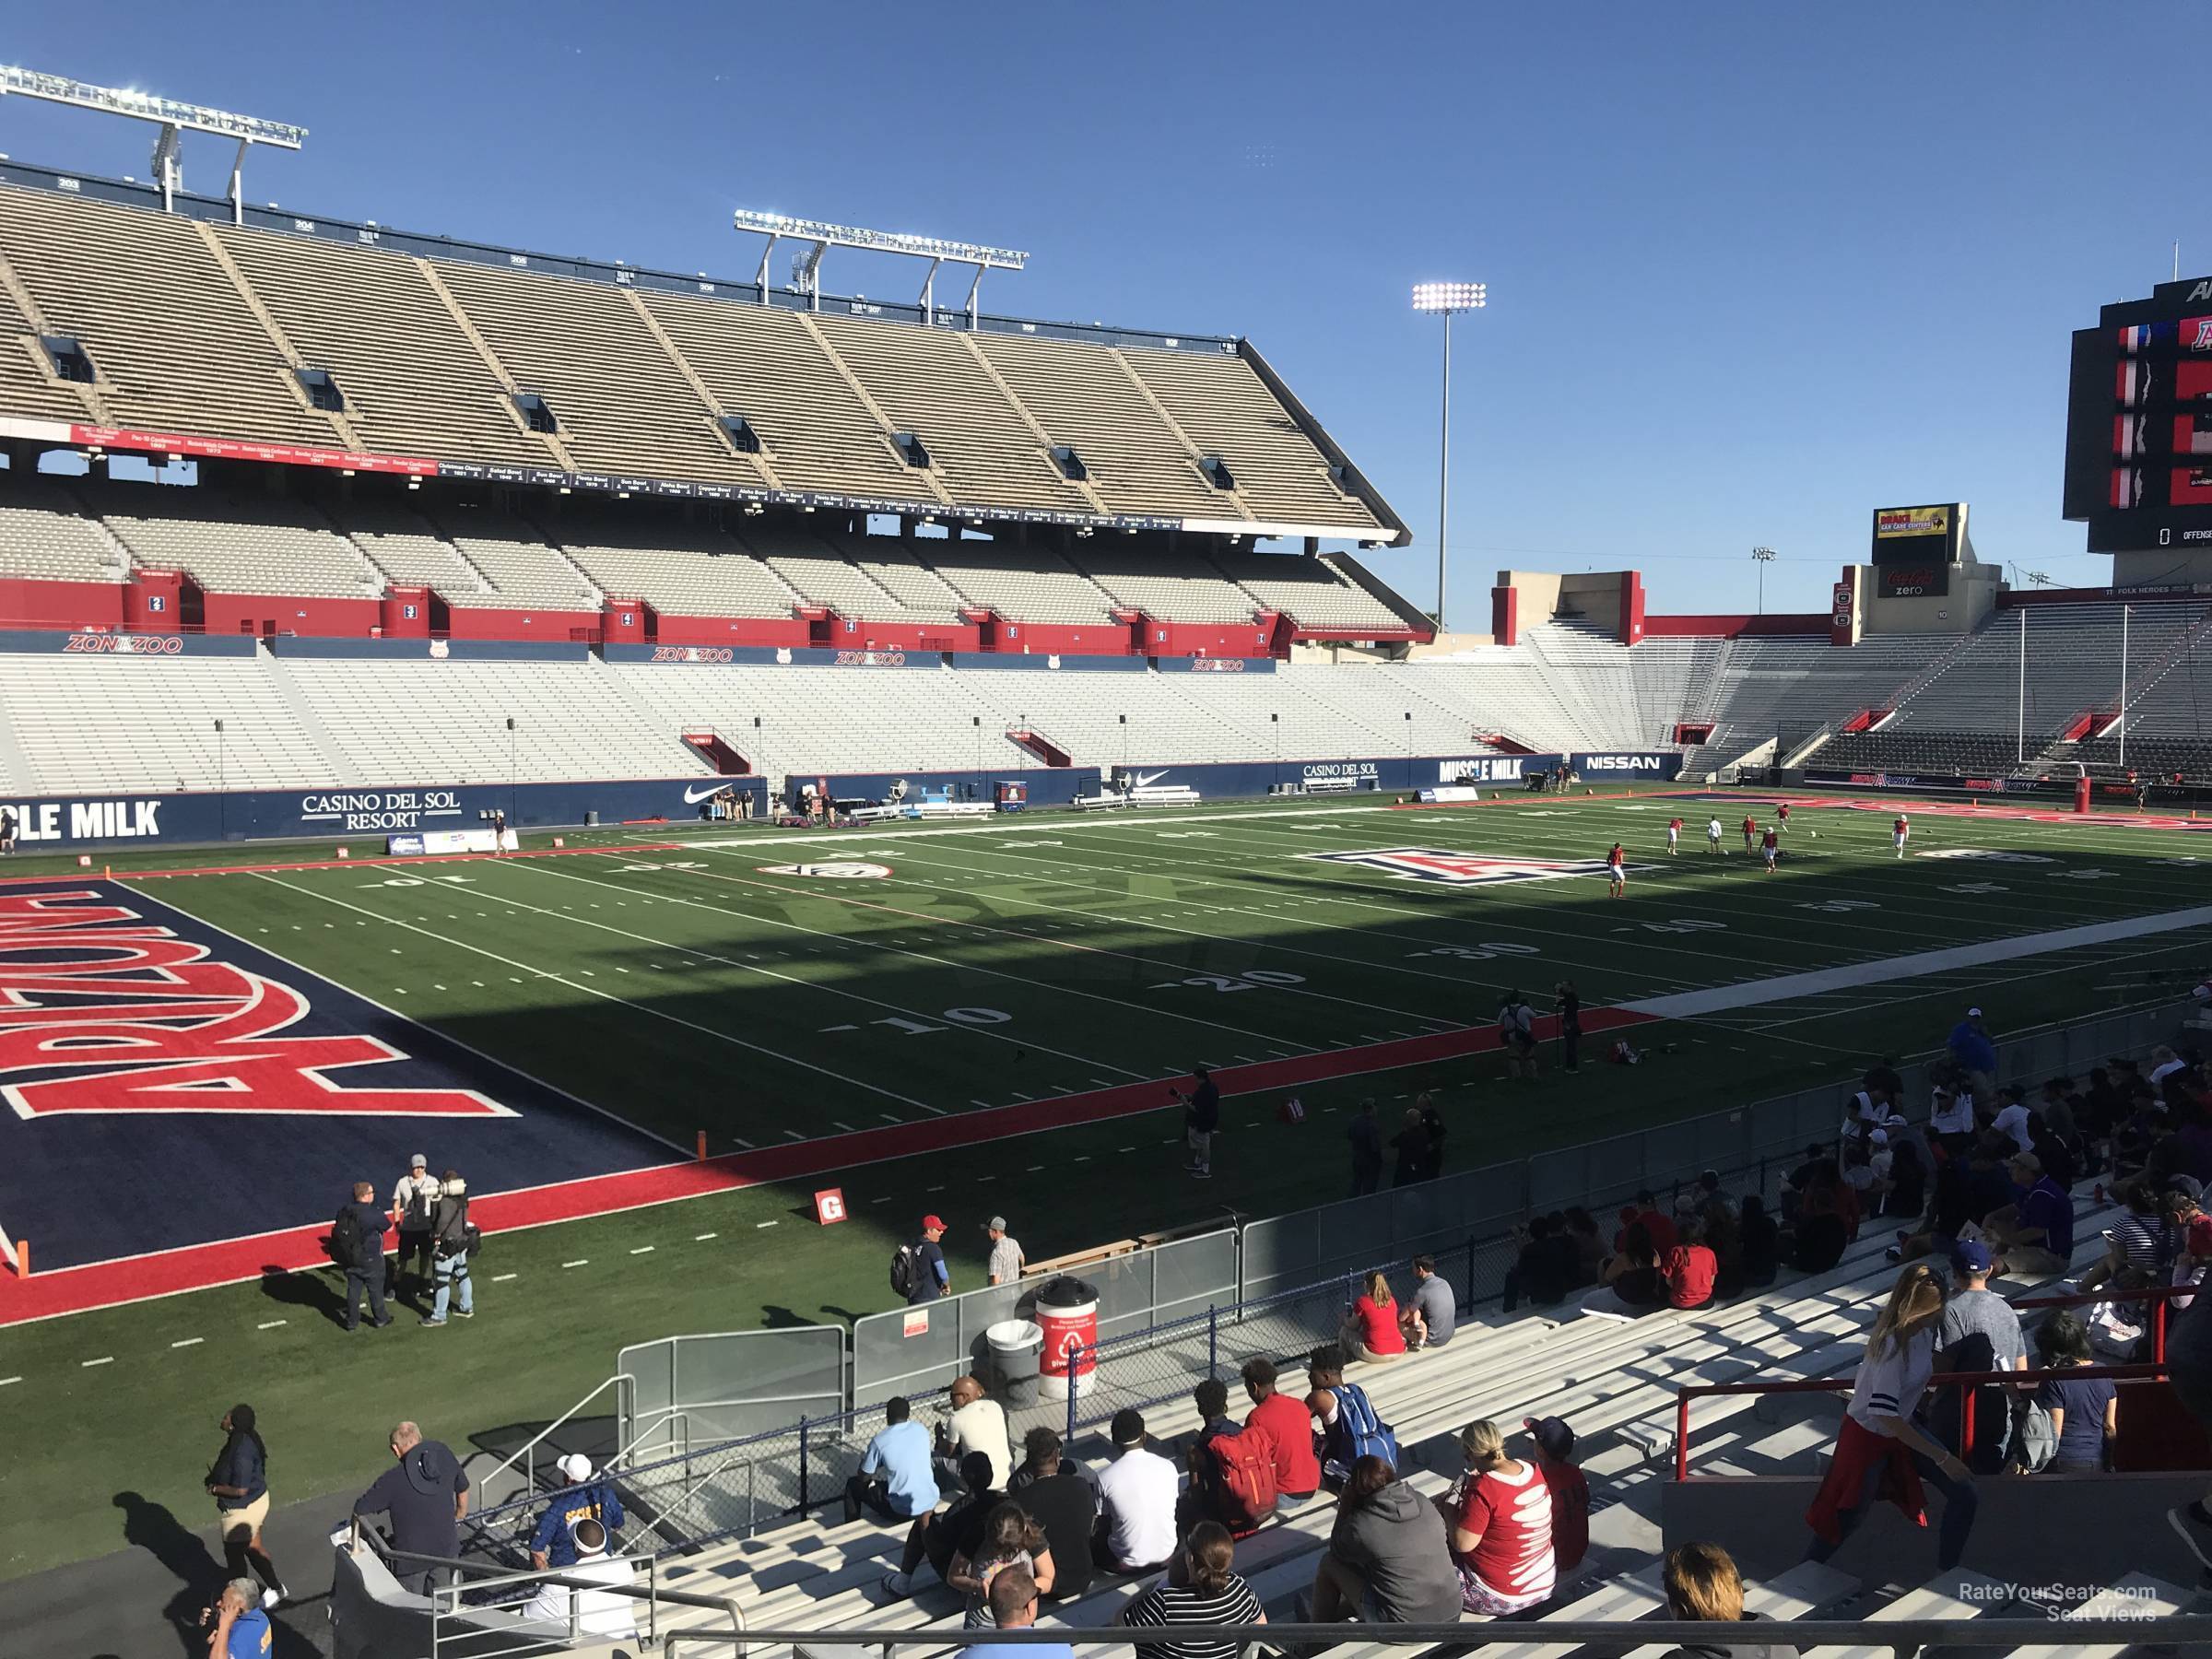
[
  {"x": 579, "y": 1262},
  {"x": 268, "y": 1324},
  {"x": 758, "y": 1225},
  {"x": 5, "y": 1382},
  {"x": 887, "y": 1118},
  {"x": 88, "y": 1364},
  {"x": 661, "y": 1014},
  {"x": 743, "y": 1142},
  {"x": 885, "y": 1199},
  {"x": 846, "y": 1128},
  {"x": 985, "y": 1104},
  {"x": 702, "y": 1237},
  {"x": 642, "y": 1250},
  {"x": 793, "y": 1135},
  {"x": 1788, "y": 986},
  {"x": 188, "y": 1342},
  {"x": 501, "y": 1278}
]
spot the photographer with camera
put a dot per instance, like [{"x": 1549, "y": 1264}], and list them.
[{"x": 453, "y": 1239}]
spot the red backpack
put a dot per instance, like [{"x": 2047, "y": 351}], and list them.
[{"x": 1243, "y": 1482}]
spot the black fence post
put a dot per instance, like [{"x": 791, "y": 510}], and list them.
[{"x": 803, "y": 1447}]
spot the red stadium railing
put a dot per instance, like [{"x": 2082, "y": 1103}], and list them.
[{"x": 2157, "y": 1295}]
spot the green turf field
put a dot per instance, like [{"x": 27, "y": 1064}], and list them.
[{"x": 1020, "y": 960}]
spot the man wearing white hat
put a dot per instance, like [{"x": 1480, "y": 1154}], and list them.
[
  {"x": 583, "y": 1499},
  {"x": 412, "y": 1201}
]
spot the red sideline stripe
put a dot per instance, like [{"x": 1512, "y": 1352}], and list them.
[
  {"x": 345, "y": 864},
  {"x": 198, "y": 1266}
]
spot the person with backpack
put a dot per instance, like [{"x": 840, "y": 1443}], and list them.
[
  {"x": 918, "y": 1270},
  {"x": 453, "y": 1241},
  {"x": 357, "y": 1244},
  {"x": 1233, "y": 1469},
  {"x": 412, "y": 1202},
  {"x": 1349, "y": 1428},
  {"x": 1289, "y": 1428}
]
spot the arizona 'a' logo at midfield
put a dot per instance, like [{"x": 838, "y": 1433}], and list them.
[
  {"x": 102, "y": 1010},
  {"x": 1465, "y": 869}
]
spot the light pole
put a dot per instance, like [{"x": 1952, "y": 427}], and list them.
[
  {"x": 1446, "y": 300},
  {"x": 222, "y": 783},
  {"x": 513, "y": 815},
  {"x": 1762, "y": 557}
]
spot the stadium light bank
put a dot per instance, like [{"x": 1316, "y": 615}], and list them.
[
  {"x": 1445, "y": 299},
  {"x": 821, "y": 236},
  {"x": 173, "y": 119}
]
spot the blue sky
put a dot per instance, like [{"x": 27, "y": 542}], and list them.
[{"x": 1754, "y": 269}]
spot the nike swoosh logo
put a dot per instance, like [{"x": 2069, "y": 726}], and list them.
[
  {"x": 692, "y": 797},
  {"x": 1146, "y": 780}
]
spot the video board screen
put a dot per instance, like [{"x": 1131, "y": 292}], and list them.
[
  {"x": 1914, "y": 549},
  {"x": 2140, "y": 423}
]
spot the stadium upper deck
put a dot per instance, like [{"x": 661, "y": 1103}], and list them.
[{"x": 347, "y": 345}]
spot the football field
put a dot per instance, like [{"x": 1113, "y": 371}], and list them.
[{"x": 969, "y": 1018}]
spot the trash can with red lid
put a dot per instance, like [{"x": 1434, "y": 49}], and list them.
[{"x": 1067, "y": 1312}]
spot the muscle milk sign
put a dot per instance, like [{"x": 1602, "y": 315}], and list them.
[{"x": 85, "y": 820}]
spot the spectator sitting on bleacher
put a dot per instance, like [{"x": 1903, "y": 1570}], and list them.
[
  {"x": 1655, "y": 1223},
  {"x": 601, "y": 1613},
  {"x": 2188, "y": 1238},
  {"x": 1205, "y": 1498},
  {"x": 1431, "y": 1314},
  {"x": 1880, "y": 1453},
  {"x": 1371, "y": 1324},
  {"x": 1136, "y": 1502},
  {"x": 937, "y": 1537},
  {"x": 2133, "y": 1245},
  {"x": 1817, "y": 1240},
  {"x": 1013, "y": 1607},
  {"x": 895, "y": 1478},
  {"x": 1703, "y": 1587},
  {"x": 1690, "y": 1267},
  {"x": 1951, "y": 1121},
  {"x": 1570, "y": 1491},
  {"x": 1500, "y": 1519},
  {"x": 1388, "y": 1558},
  {"x": 1349, "y": 1426},
  {"x": 2036, "y": 1234},
  {"x": 1545, "y": 1268},
  {"x": 1010, "y": 1538},
  {"x": 1202, "y": 1588},
  {"x": 1632, "y": 1282},
  {"x": 1290, "y": 1426},
  {"x": 2084, "y": 1410},
  {"x": 1907, "y": 1175},
  {"x": 976, "y": 1423},
  {"x": 1762, "y": 1242},
  {"x": 1062, "y": 1502},
  {"x": 1723, "y": 1237},
  {"x": 1589, "y": 1244}
]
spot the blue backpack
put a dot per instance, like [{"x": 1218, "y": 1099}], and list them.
[{"x": 1358, "y": 1433}]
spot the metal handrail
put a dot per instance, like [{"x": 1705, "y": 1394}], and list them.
[
  {"x": 1904, "y": 1635},
  {"x": 529, "y": 1447},
  {"x": 1688, "y": 1391}
]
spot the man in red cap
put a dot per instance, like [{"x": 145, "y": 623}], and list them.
[{"x": 930, "y": 1277}]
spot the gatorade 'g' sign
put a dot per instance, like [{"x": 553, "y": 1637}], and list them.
[{"x": 830, "y": 1206}]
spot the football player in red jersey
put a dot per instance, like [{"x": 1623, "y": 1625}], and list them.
[
  {"x": 1674, "y": 836},
  {"x": 1898, "y": 833},
  {"x": 1770, "y": 844},
  {"x": 1750, "y": 833},
  {"x": 1616, "y": 873}
]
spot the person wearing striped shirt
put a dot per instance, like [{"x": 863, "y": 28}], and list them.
[
  {"x": 1202, "y": 1589},
  {"x": 2134, "y": 1243}
]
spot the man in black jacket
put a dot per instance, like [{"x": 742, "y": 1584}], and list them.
[
  {"x": 357, "y": 1244},
  {"x": 425, "y": 1495},
  {"x": 1201, "y": 1117}
]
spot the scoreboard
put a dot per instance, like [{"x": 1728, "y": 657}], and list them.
[
  {"x": 1914, "y": 549},
  {"x": 2140, "y": 423}
]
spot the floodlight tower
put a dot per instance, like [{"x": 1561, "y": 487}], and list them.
[
  {"x": 173, "y": 120},
  {"x": 1446, "y": 300}
]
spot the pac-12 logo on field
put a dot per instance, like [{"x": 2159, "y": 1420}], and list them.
[
  {"x": 1464, "y": 869},
  {"x": 830, "y": 872}
]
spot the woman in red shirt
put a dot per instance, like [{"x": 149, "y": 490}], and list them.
[
  {"x": 1690, "y": 1267},
  {"x": 1501, "y": 1521},
  {"x": 1372, "y": 1330}
]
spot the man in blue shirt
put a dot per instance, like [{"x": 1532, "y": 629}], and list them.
[
  {"x": 1013, "y": 1608},
  {"x": 583, "y": 1499},
  {"x": 241, "y": 1629},
  {"x": 1975, "y": 1054},
  {"x": 896, "y": 1478}
]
